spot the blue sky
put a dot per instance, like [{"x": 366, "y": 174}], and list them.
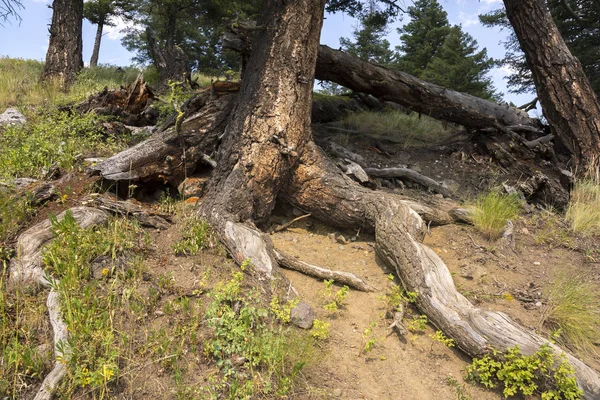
[{"x": 30, "y": 38}]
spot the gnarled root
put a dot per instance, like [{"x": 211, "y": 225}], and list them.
[
  {"x": 26, "y": 269},
  {"x": 320, "y": 189}
]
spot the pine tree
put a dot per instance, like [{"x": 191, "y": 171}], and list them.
[
  {"x": 422, "y": 36},
  {"x": 459, "y": 66},
  {"x": 369, "y": 42},
  {"x": 437, "y": 52}
]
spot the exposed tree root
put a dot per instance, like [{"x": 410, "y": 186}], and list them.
[
  {"x": 343, "y": 278},
  {"x": 26, "y": 269},
  {"x": 399, "y": 232},
  {"x": 409, "y": 174}
]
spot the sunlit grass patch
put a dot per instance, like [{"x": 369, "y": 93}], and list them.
[
  {"x": 411, "y": 129},
  {"x": 53, "y": 138},
  {"x": 491, "y": 212},
  {"x": 573, "y": 311},
  {"x": 583, "y": 212},
  {"x": 20, "y": 85}
]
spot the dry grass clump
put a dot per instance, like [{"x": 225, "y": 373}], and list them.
[
  {"x": 573, "y": 311},
  {"x": 583, "y": 213},
  {"x": 491, "y": 212}
]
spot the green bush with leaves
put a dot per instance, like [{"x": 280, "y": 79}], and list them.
[
  {"x": 333, "y": 301},
  {"x": 491, "y": 212},
  {"x": 544, "y": 372},
  {"x": 53, "y": 139},
  {"x": 255, "y": 355}
]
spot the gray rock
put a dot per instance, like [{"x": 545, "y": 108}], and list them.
[
  {"x": 11, "y": 117},
  {"x": 302, "y": 316}
]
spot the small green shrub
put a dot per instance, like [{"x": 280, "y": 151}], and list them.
[
  {"x": 52, "y": 139},
  {"x": 334, "y": 300},
  {"x": 369, "y": 337},
  {"x": 492, "y": 210},
  {"x": 196, "y": 237},
  {"x": 255, "y": 355},
  {"x": 573, "y": 308},
  {"x": 417, "y": 324},
  {"x": 439, "y": 336},
  {"x": 543, "y": 372},
  {"x": 320, "y": 329}
]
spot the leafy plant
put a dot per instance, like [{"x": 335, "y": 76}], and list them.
[
  {"x": 334, "y": 300},
  {"x": 395, "y": 295},
  {"x": 439, "y": 336},
  {"x": 320, "y": 329},
  {"x": 369, "y": 337},
  {"x": 543, "y": 372},
  {"x": 254, "y": 354},
  {"x": 196, "y": 233},
  {"x": 491, "y": 212},
  {"x": 417, "y": 324},
  {"x": 461, "y": 390}
]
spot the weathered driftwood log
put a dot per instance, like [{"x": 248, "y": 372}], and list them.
[
  {"x": 341, "y": 277},
  {"x": 127, "y": 209},
  {"x": 409, "y": 174},
  {"x": 160, "y": 157},
  {"x": 26, "y": 269}
]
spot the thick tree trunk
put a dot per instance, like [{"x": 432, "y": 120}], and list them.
[
  {"x": 171, "y": 62},
  {"x": 96, "y": 52},
  {"x": 564, "y": 91},
  {"x": 270, "y": 124},
  {"x": 64, "y": 56}
]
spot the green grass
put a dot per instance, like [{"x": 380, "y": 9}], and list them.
[
  {"x": 573, "y": 310},
  {"x": 410, "y": 130},
  {"x": 491, "y": 212},
  {"x": 53, "y": 138},
  {"x": 583, "y": 212},
  {"x": 20, "y": 86}
]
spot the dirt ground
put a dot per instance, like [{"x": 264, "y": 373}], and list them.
[{"x": 508, "y": 277}]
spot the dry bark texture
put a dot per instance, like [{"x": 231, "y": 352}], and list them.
[
  {"x": 64, "y": 55},
  {"x": 564, "y": 91}
]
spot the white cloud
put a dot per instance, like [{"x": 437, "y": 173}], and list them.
[
  {"x": 468, "y": 19},
  {"x": 115, "y": 32}
]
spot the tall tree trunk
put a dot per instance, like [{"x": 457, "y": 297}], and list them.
[
  {"x": 64, "y": 56},
  {"x": 565, "y": 93},
  {"x": 271, "y": 120},
  {"x": 96, "y": 52}
]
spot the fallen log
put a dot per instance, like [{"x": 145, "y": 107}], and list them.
[
  {"x": 415, "y": 94},
  {"x": 409, "y": 174}
]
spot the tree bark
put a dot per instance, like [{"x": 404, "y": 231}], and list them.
[
  {"x": 171, "y": 62},
  {"x": 64, "y": 55},
  {"x": 564, "y": 91},
  {"x": 96, "y": 52}
]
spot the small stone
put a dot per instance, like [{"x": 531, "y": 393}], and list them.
[
  {"x": 537, "y": 263},
  {"x": 192, "y": 187},
  {"x": 159, "y": 313},
  {"x": 302, "y": 316},
  {"x": 337, "y": 392},
  {"x": 341, "y": 247},
  {"x": 12, "y": 116},
  {"x": 538, "y": 304},
  {"x": 467, "y": 272}
]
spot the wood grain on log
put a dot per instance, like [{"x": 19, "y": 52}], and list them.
[{"x": 341, "y": 277}]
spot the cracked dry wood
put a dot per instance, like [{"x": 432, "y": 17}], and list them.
[
  {"x": 26, "y": 269},
  {"x": 341, "y": 277}
]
